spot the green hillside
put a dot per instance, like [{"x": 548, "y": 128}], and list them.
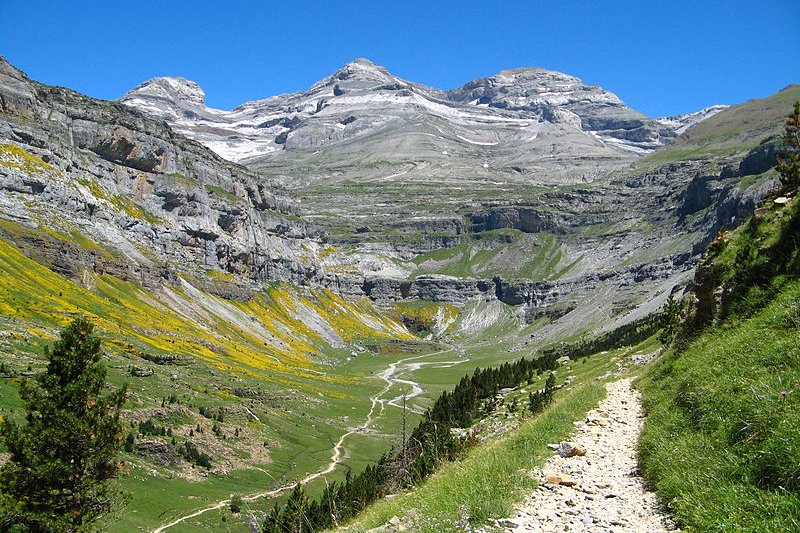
[
  {"x": 265, "y": 387},
  {"x": 735, "y": 130},
  {"x": 214, "y": 371},
  {"x": 722, "y": 439}
]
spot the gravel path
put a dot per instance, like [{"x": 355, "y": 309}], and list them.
[{"x": 600, "y": 491}]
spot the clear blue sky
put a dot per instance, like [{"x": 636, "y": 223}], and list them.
[{"x": 662, "y": 57}]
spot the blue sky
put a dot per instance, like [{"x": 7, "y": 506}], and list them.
[{"x": 661, "y": 57}]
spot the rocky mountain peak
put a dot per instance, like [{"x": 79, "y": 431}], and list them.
[
  {"x": 364, "y": 63},
  {"x": 359, "y": 74},
  {"x": 175, "y": 88},
  {"x": 168, "y": 97},
  {"x": 564, "y": 99},
  {"x": 529, "y": 88}
]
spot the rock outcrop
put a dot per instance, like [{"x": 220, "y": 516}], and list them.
[
  {"x": 559, "y": 97},
  {"x": 153, "y": 202},
  {"x": 390, "y": 169}
]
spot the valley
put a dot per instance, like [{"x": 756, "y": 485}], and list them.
[{"x": 275, "y": 282}]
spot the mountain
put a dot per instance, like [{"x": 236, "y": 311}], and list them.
[
  {"x": 297, "y": 294},
  {"x": 523, "y": 106},
  {"x": 451, "y": 152},
  {"x": 385, "y": 219},
  {"x": 681, "y": 123},
  {"x": 558, "y": 97},
  {"x": 382, "y": 206},
  {"x": 128, "y": 183}
]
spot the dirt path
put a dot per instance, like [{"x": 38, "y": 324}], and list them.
[
  {"x": 392, "y": 377},
  {"x": 600, "y": 491}
]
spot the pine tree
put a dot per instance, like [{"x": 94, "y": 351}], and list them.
[
  {"x": 670, "y": 320},
  {"x": 788, "y": 163},
  {"x": 294, "y": 519},
  {"x": 63, "y": 457}
]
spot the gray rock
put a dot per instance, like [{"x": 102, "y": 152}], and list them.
[{"x": 568, "y": 449}]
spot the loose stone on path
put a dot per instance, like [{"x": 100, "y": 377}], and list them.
[{"x": 592, "y": 482}]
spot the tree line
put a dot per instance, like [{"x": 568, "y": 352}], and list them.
[
  {"x": 433, "y": 440},
  {"x": 431, "y": 443},
  {"x": 628, "y": 334}
]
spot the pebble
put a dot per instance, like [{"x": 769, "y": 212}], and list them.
[{"x": 607, "y": 463}]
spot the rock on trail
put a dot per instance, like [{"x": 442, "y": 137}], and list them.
[{"x": 601, "y": 490}]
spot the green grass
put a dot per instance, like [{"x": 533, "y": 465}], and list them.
[
  {"x": 302, "y": 413},
  {"x": 722, "y": 440},
  {"x": 216, "y": 189},
  {"x": 491, "y": 478},
  {"x": 734, "y": 130},
  {"x": 748, "y": 181},
  {"x": 180, "y": 178},
  {"x": 510, "y": 254},
  {"x": 721, "y": 445},
  {"x": 703, "y": 152}
]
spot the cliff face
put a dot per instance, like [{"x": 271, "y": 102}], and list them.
[
  {"x": 154, "y": 200},
  {"x": 94, "y": 186}
]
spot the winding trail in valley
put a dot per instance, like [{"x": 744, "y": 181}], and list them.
[{"x": 392, "y": 376}]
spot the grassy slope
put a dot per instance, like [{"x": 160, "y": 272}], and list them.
[
  {"x": 517, "y": 256},
  {"x": 490, "y": 479},
  {"x": 736, "y": 129},
  {"x": 304, "y": 391},
  {"x": 494, "y": 476},
  {"x": 721, "y": 443}
]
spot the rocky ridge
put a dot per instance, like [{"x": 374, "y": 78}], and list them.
[
  {"x": 155, "y": 201},
  {"x": 362, "y": 98},
  {"x": 559, "y": 97},
  {"x": 159, "y": 205}
]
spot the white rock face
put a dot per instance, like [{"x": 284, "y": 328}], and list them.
[
  {"x": 521, "y": 109},
  {"x": 169, "y": 98}
]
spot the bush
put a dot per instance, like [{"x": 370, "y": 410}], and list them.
[
  {"x": 236, "y": 504},
  {"x": 189, "y": 451}
]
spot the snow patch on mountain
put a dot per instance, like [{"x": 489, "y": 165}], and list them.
[
  {"x": 681, "y": 123},
  {"x": 363, "y": 98}
]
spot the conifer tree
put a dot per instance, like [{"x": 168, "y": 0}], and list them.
[
  {"x": 294, "y": 514},
  {"x": 670, "y": 320},
  {"x": 61, "y": 460},
  {"x": 788, "y": 163}
]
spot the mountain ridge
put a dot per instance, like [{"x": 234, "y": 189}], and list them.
[
  {"x": 299, "y": 293},
  {"x": 532, "y": 93}
]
